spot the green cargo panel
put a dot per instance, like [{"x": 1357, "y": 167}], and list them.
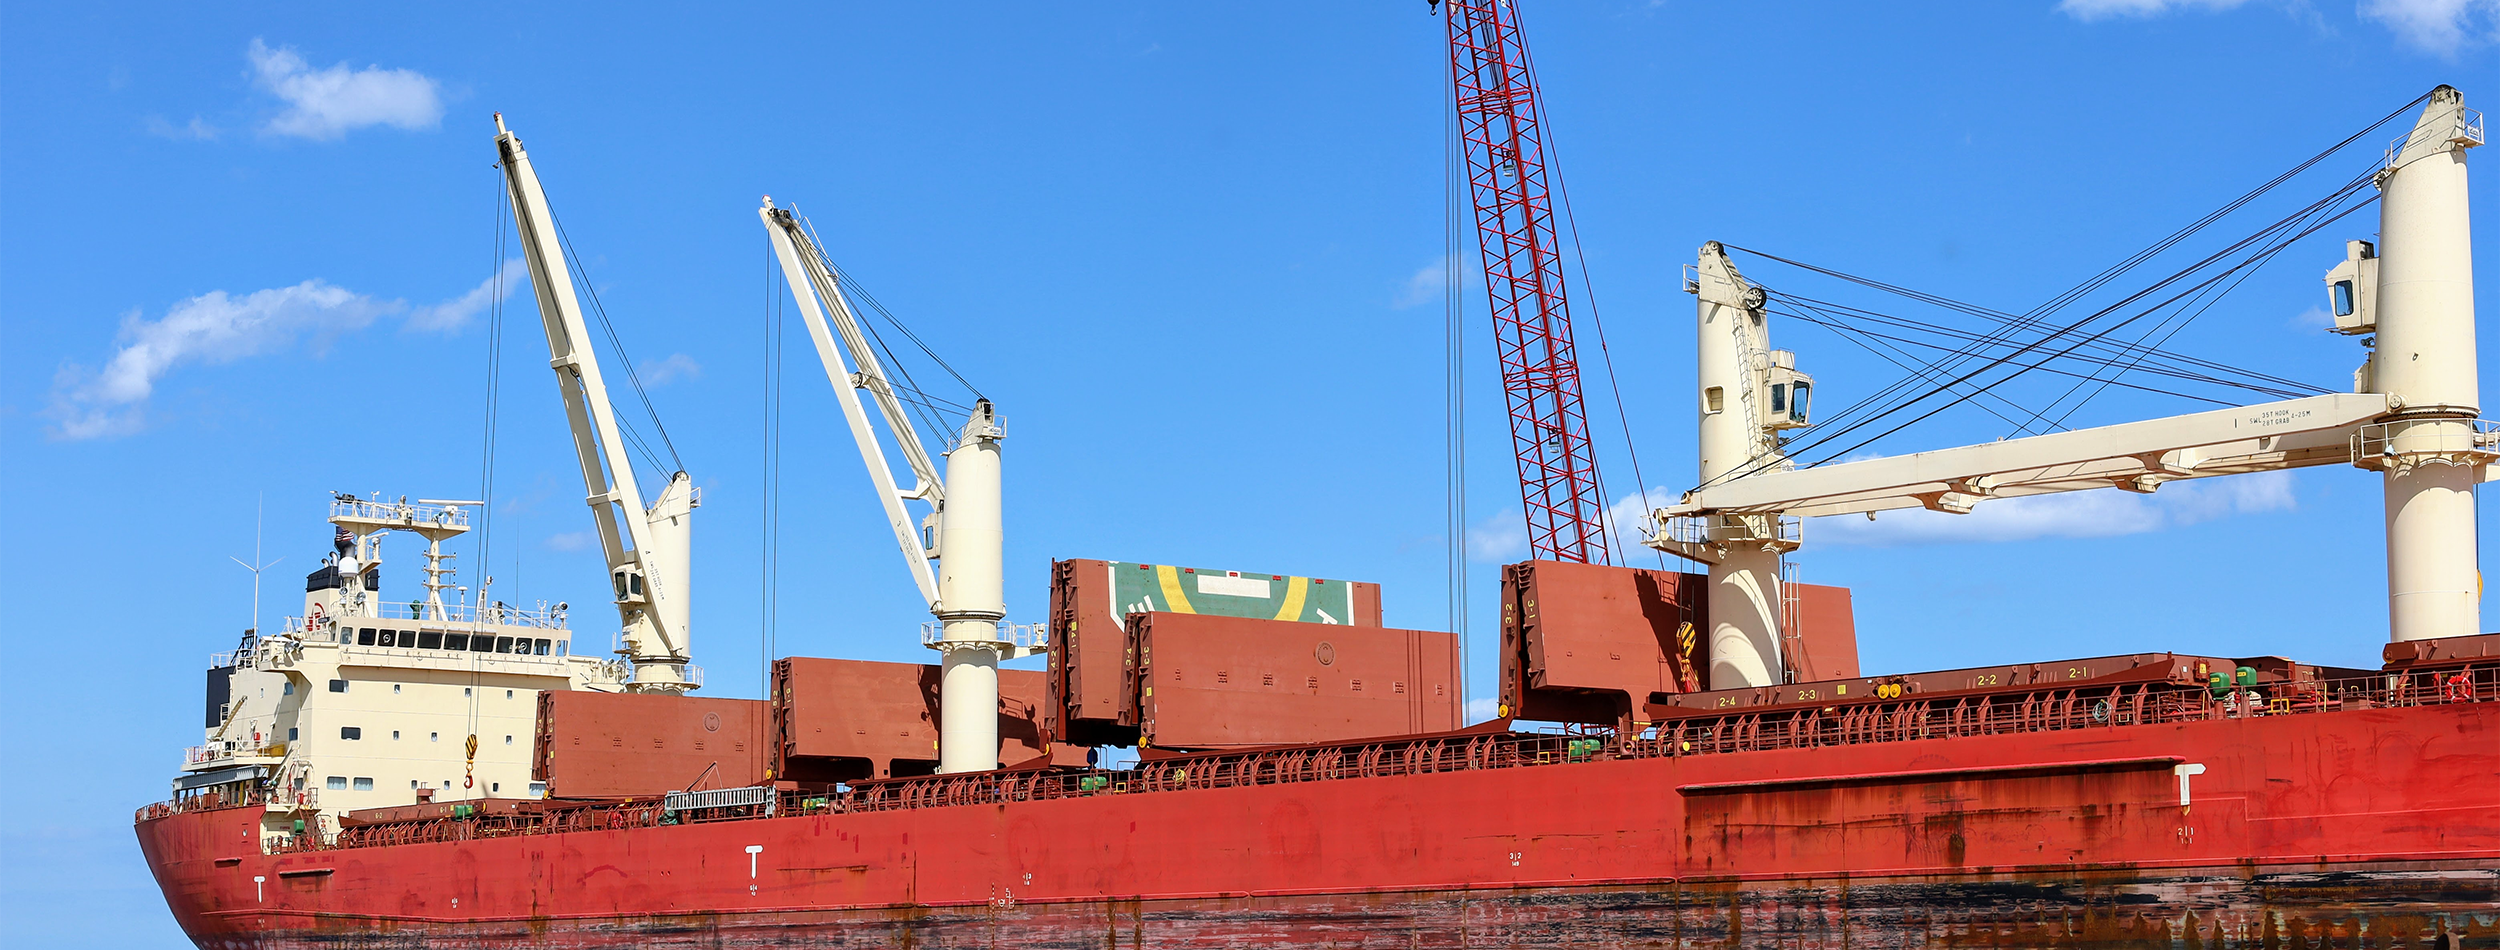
[
  {"x": 1164, "y": 588},
  {"x": 1089, "y": 606}
]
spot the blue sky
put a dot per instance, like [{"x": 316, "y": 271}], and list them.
[{"x": 1192, "y": 253}]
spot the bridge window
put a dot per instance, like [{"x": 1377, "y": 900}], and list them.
[
  {"x": 389, "y": 638},
  {"x": 455, "y": 641},
  {"x": 430, "y": 640},
  {"x": 337, "y": 783},
  {"x": 364, "y": 784},
  {"x": 364, "y": 637}
]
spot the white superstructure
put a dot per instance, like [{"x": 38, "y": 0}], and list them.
[{"x": 362, "y": 702}]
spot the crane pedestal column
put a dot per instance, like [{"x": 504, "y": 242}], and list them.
[
  {"x": 2424, "y": 356},
  {"x": 972, "y": 598}
]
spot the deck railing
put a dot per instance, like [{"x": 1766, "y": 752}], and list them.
[{"x": 1909, "y": 719}]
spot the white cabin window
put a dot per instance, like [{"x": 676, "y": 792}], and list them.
[
  {"x": 507, "y": 694},
  {"x": 507, "y": 740},
  {"x": 290, "y": 733},
  {"x": 433, "y": 737},
  {"x": 364, "y": 784},
  {"x": 351, "y": 732},
  {"x": 494, "y": 786},
  {"x": 337, "y": 782},
  {"x": 338, "y": 686},
  {"x": 394, "y": 687},
  {"x": 2343, "y": 298},
  {"x": 394, "y": 735},
  {"x": 538, "y": 789},
  {"x": 288, "y": 689}
]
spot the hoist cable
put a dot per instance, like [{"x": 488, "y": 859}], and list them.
[
  {"x": 617, "y": 344},
  {"x": 2009, "y": 357}
]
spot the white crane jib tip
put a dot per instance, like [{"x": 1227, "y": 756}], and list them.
[{"x": 499, "y": 129}]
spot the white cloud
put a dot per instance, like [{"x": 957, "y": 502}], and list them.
[
  {"x": 218, "y": 327},
  {"x": 2440, "y": 26},
  {"x": 2085, "y": 514},
  {"x": 1502, "y": 538},
  {"x": 327, "y": 103},
  {"x": 1427, "y": 285},
  {"x": 213, "y": 327},
  {"x": 2089, "y": 10},
  {"x": 1431, "y": 281},
  {"x": 451, "y": 315},
  {"x": 677, "y": 366},
  {"x": 573, "y": 540},
  {"x": 1628, "y": 518},
  {"x": 2314, "y": 318},
  {"x": 195, "y": 130}
]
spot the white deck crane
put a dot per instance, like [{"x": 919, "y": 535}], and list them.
[
  {"x": 652, "y": 578},
  {"x": 2413, "y": 416},
  {"x": 962, "y": 531}
]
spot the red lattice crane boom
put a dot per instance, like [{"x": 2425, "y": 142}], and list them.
[{"x": 1501, "y": 134}]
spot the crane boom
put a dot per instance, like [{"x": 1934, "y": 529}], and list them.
[
  {"x": 813, "y": 286},
  {"x": 1500, "y": 131},
  {"x": 652, "y": 578},
  {"x": 967, "y": 595}
]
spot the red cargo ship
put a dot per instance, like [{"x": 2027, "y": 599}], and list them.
[
  {"x": 2338, "y": 811},
  {"x": 2149, "y": 800}
]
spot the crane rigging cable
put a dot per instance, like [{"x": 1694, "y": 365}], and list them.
[
  {"x": 617, "y": 345},
  {"x": 768, "y": 576},
  {"x": 2188, "y": 367},
  {"x": 2026, "y": 348},
  {"x": 1999, "y": 347},
  {"x": 1837, "y": 314},
  {"x": 488, "y": 431},
  {"x": 2168, "y": 328},
  {"x": 932, "y": 411},
  {"x": 2178, "y": 322},
  {"x": 1845, "y": 329},
  {"x": 1888, "y": 400}
]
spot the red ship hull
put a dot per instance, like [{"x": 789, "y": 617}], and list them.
[{"x": 2364, "y": 827}]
